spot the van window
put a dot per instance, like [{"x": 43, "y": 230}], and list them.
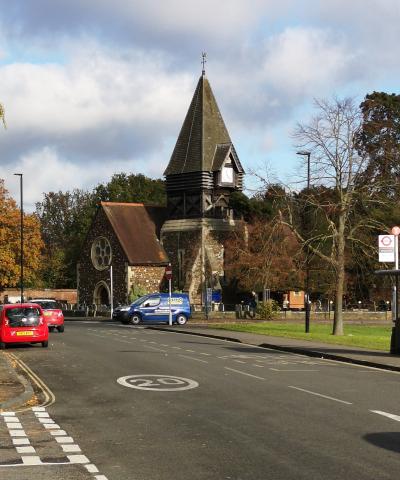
[
  {"x": 151, "y": 302},
  {"x": 23, "y": 317}
]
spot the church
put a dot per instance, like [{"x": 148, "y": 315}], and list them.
[{"x": 129, "y": 245}]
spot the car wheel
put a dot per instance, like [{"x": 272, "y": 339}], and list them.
[
  {"x": 60, "y": 328},
  {"x": 51, "y": 329},
  {"x": 181, "y": 319},
  {"x": 2, "y": 346},
  {"x": 135, "y": 319},
  {"x": 45, "y": 344}
]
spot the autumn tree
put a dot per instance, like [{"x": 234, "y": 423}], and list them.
[
  {"x": 10, "y": 246},
  {"x": 268, "y": 257},
  {"x": 336, "y": 163}
]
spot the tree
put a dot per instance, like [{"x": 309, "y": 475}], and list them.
[
  {"x": 267, "y": 258},
  {"x": 379, "y": 136},
  {"x": 66, "y": 218},
  {"x": 336, "y": 163},
  {"x": 131, "y": 188},
  {"x": 2, "y": 115},
  {"x": 10, "y": 243}
]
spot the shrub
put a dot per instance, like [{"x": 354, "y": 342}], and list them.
[
  {"x": 136, "y": 292},
  {"x": 268, "y": 310}
]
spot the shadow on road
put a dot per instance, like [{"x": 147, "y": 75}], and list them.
[{"x": 387, "y": 440}]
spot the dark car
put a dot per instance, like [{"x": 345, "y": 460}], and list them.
[{"x": 121, "y": 313}]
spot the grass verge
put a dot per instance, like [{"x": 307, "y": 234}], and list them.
[{"x": 364, "y": 336}]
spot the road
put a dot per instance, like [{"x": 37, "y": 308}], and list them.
[{"x": 136, "y": 403}]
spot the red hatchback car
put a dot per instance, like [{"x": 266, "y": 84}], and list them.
[
  {"x": 52, "y": 313},
  {"x": 22, "y": 322}
]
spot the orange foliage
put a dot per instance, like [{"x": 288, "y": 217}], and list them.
[
  {"x": 10, "y": 243},
  {"x": 269, "y": 257}
]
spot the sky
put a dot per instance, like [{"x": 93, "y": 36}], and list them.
[{"x": 96, "y": 87}]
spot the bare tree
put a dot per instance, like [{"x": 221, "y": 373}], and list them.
[
  {"x": 337, "y": 168},
  {"x": 2, "y": 115}
]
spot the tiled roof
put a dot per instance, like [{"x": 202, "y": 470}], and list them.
[
  {"x": 202, "y": 131},
  {"x": 137, "y": 227}
]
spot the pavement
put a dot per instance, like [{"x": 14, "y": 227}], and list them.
[{"x": 16, "y": 390}]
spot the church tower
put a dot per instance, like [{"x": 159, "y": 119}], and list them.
[{"x": 202, "y": 173}]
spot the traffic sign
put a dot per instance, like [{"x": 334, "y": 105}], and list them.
[
  {"x": 168, "y": 272},
  {"x": 386, "y": 244}
]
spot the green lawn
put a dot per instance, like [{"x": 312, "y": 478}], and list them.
[{"x": 371, "y": 337}]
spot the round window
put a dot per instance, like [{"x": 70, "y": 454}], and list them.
[{"x": 101, "y": 253}]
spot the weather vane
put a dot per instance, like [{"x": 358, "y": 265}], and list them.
[{"x": 203, "y": 61}]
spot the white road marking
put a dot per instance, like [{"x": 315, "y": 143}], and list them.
[
  {"x": 42, "y": 414},
  {"x": 21, "y": 441},
  {"x": 91, "y": 468},
  {"x": 14, "y": 425},
  {"x": 58, "y": 432},
  {"x": 294, "y": 370},
  {"x": 320, "y": 395},
  {"x": 259, "y": 366},
  {"x": 190, "y": 351},
  {"x": 239, "y": 361},
  {"x": 78, "y": 459},
  {"x": 31, "y": 460},
  {"x": 203, "y": 353},
  {"x": 7, "y": 414},
  {"x": 155, "y": 348},
  {"x": 193, "y": 358},
  {"x": 388, "y": 415},
  {"x": 244, "y": 373},
  {"x": 17, "y": 433},
  {"x": 64, "y": 439},
  {"x": 71, "y": 448},
  {"x": 29, "y": 449}
]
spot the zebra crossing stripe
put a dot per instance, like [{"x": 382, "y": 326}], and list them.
[{"x": 28, "y": 453}]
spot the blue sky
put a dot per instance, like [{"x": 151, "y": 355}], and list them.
[{"x": 95, "y": 87}]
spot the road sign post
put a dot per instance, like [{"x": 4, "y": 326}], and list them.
[
  {"x": 168, "y": 276},
  {"x": 395, "y": 339}
]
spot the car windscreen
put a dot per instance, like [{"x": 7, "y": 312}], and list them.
[
  {"x": 23, "y": 316},
  {"x": 48, "y": 305}
]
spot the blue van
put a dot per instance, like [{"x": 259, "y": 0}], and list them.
[{"x": 154, "y": 308}]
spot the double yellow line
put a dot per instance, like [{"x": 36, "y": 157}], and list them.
[{"x": 49, "y": 397}]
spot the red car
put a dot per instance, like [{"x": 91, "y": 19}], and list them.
[
  {"x": 52, "y": 313},
  {"x": 22, "y": 322}
]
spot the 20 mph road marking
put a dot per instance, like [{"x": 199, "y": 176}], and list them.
[
  {"x": 388, "y": 415},
  {"x": 320, "y": 395}
]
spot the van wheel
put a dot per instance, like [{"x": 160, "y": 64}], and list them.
[
  {"x": 2, "y": 346},
  {"x": 45, "y": 344},
  {"x": 135, "y": 319},
  {"x": 181, "y": 319},
  {"x": 60, "y": 328}
]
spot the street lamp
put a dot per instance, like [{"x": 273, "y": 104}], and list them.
[
  {"x": 20, "y": 175},
  {"x": 307, "y": 294}
]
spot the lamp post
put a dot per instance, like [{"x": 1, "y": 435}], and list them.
[
  {"x": 20, "y": 175},
  {"x": 307, "y": 294}
]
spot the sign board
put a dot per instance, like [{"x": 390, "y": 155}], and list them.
[
  {"x": 386, "y": 248},
  {"x": 168, "y": 272}
]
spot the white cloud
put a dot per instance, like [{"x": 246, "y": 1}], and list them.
[{"x": 302, "y": 61}]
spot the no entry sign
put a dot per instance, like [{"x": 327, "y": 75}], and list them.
[
  {"x": 168, "y": 272},
  {"x": 386, "y": 248}
]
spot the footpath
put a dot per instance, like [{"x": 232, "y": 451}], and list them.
[{"x": 15, "y": 390}]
